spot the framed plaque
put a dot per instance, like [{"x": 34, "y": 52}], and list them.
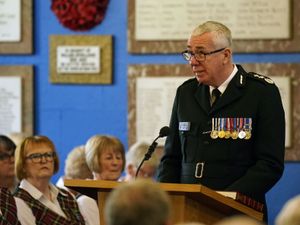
[
  {"x": 81, "y": 59},
  {"x": 164, "y": 27},
  {"x": 16, "y": 100},
  {"x": 16, "y": 27}
]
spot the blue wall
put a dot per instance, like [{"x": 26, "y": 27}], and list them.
[{"x": 70, "y": 114}]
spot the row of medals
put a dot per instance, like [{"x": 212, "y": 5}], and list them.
[{"x": 231, "y": 128}]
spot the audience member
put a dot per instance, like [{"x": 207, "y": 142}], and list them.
[
  {"x": 239, "y": 220},
  {"x": 105, "y": 156},
  {"x": 75, "y": 166},
  {"x": 138, "y": 202},
  {"x": 8, "y": 208},
  {"x": 7, "y": 163},
  {"x": 36, "y": 162},
  {"x": 134, "y": 157},
  {"x": 290, "y": 213}
]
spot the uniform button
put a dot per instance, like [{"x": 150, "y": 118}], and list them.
[{"x": 206, "y": 142}]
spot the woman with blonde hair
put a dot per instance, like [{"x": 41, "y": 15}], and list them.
[{"x": 105, "y": 156}]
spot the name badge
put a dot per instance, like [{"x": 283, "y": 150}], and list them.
[{"x": 184, "y": 126}]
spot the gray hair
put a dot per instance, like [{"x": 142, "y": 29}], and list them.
[
  {"x": 136, "y": 153},
  {"x": 222, "y": 37},
  {"x": 137, "y": 202},
  {"x": 76, "y": 166}
]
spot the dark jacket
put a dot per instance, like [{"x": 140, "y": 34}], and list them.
[{"x": 250, "y": 166}]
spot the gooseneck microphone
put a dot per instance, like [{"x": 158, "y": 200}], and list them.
[{"x": 163, "y": 132}]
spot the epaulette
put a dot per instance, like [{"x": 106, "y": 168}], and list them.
[{"x": 259, "y": 77}]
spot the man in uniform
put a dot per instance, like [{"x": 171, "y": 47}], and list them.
[{"x": 228, "y": 125}]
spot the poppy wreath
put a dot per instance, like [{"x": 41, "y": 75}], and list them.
[{"x": 79, "y": 15}]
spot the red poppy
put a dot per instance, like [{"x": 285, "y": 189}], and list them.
[{"x": 79, "y": 15}]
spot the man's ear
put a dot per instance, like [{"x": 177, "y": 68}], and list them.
[{"x": 227, "y": 55}]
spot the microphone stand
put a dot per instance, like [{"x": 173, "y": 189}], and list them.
[
  {"x": 163, "y": 132},
  {"x": 147, "y": 155}
]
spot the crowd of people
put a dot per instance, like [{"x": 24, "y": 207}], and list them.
[
  {"x": 222, "y": 135},
  {"x": 28, "y": 197}
]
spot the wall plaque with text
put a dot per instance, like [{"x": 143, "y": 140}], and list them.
[
  {"x": 247, "y": 19},
  {"x": 10, "y": 105},
  {"x": 78, "y": 59},
  {"x": 16, "y": 101},
  {"x": 10, "y": 20},
  {"x": 81, "y": 59},
  {"x": 16, "y": 27},
  {"x": 257, "y": 26}
]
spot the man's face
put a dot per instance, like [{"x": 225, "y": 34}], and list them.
[{"x": 209, "y": 71}]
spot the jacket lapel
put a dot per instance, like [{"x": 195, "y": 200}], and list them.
[
  {"x": 232, "y": 92},
  {"x": 202, "y": 97}
]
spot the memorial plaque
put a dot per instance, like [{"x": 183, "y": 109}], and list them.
[
  {"x": 10, "y": 105},
  {"x": 16, "y": 27},
  {"x": 247, "y": 19},
  {"x": 83, "y": 59},
  {"x": 16, "y": 101},
  {"x": 257, "y": 26},
  {"x": 10, "y": 20},
  {"x": 78, "y": 59}
]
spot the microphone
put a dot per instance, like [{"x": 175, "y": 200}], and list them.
[{"x": 163, "y": 132}]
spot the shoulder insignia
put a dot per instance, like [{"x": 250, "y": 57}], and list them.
[{"x": 261, "y": 77}]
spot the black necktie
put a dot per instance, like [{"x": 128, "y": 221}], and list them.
[{"x": 215, "y": 95}]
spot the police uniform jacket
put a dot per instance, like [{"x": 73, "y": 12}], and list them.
[{"x": 249, "y": 166}]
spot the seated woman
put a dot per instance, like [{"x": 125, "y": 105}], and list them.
[
  {"x": 8, "y": 208},
  {"x": 75, "y": 167},
  {"x": 105, "y": 156},
  {"x": 36, "y": 162},
  {"x": 7, "y": 163}
]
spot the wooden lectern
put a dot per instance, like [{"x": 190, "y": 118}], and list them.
[{"x": 190, "y": 202}]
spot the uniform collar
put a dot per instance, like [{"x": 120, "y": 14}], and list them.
[{"x": 224, "y": 85}]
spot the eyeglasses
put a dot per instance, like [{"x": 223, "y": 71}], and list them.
[
  {"x": 199, "y": 56},
  {"x": 6, "y": 156},
  {"x": 38, "y": 157}
]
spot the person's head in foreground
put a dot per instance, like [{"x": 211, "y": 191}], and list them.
[
  {"x": 138, "y": 202},
  {"x": 290, "y": 213},
  {"x": 239, "y": 220}
]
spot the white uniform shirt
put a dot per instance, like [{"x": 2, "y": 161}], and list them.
[
  {"x": 25, "y": 214},
  {"x": 89, "y": 210}
]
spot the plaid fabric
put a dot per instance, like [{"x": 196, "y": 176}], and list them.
[
  {"x": 45, "y": 216},
  {"x": 8, "y": 208}
]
